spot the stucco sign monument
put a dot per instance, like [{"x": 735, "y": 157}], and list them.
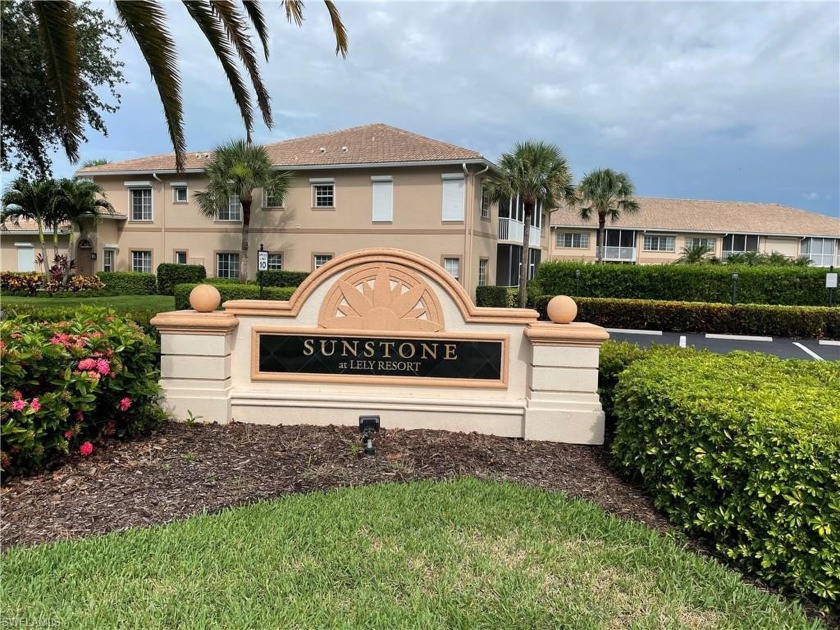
[{"x": 385, "y": 332}]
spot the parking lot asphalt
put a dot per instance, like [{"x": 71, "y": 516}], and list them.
[{"x": 813, "y": 349}]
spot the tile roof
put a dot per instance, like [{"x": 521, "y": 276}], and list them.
[
  {"x": 694, "y": 215},
  {"x": 367, "y": 144},
  {"x": 29, "y": 225}
]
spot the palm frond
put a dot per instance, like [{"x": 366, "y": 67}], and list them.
[
  {"x": 294, "y": 10},
  {"x": 254, "y": 11},
  {"x": 57, "y": 34},
  {"x": 236, "y": 26},
  {"x": 146, "y": 22},
  {"x": 338, "y": 29},
  {"x": 202, "y": 14}
]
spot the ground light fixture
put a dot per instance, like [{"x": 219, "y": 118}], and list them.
[
  {"x": 368, "y": 425},
  {"x": 734, "y": 288}
]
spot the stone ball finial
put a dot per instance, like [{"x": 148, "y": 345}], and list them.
[
  {"x": 205, "y": 298},
  {"x": 562, "y": 309}
]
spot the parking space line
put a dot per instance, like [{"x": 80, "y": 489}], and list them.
[
  {"x": 809, "y": 351},
  {"x": 628, "y": 331},
  {"x": 738, "y": 337},
  {"x": 829, "y": 342},
  {"x": 682, "y": 341}
]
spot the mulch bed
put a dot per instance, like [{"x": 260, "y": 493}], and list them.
[{"x": 182, "y": 470}]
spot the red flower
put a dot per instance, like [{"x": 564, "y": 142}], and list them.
[
  {"x": 125, "y": 403},
  {"x": 86, "y": 449},
  {"x": 68, "y": 435}
]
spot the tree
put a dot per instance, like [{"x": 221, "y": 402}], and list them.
[
  {"x": 237, "y": 168},
  {"x": 31, "y": 200},
  {"x": 538, "y": 173},
  {"x": 608, "y": 194},
  {"x": 76, "y": 201},
  {"x": 31, "y": 129},
  {"x": 224, "y": 23},
  {"x": 96, "y": 162},
  {"x": 695, "y": 255}
]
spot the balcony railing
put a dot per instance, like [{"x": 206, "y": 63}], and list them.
[
  {"x": 627, "y": 254},
  {"x": 513, "y": 231}
]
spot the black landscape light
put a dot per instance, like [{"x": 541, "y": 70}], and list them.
[
  {"x": 368, "y": 425},
  {"x": 734, "y": 288},
  {"x": 577, "y": 282}
]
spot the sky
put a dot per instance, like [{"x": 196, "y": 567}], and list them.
[{"x": 729, "y": 101}]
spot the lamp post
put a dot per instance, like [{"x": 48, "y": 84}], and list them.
[
  {"x": 734, "y": 288},
  {"x": 577, "y": 282}
]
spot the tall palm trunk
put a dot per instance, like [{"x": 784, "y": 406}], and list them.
[
  {"x": 525, "y": 260},
  {"x": 246, "y": 229},
  {"x": 43, "y": 242},
  {"x": 602, "y": 221}
]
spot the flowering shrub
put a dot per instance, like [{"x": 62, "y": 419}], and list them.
[
  {"x": 76, "y": 284},
  {"x": 66, "y": 384},
  {"x": 28, "y": 283}
]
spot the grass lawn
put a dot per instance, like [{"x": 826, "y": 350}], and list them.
[
  {"x": 463, "y": 554},
  {"x": 120, "y": 302}
]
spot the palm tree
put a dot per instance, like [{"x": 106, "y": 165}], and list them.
[
  {"x": 237, "y": 168},
  {"x": 224, "y": 23},
  {"x": 538, "y": 173},
  {"x": 609, "y": 194},
  {"x": 694, "y": 255},
  {"x": 31, "y": 200},
  {"x": 77, "y": 201}
]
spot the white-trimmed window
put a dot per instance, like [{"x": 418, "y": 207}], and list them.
[
  {"x": 141, "y": 204},
  {"x": 181, "y": 257},
  {"x": 180, "y": 193},
  {"x": 485, "y": 204},
  {"x": 227, "y": 265},
  {"x": 453, "y": 197},
  {"x": 739, "y": 243},
  {"x": 708, "y": 243},
  {"x": 233, "y": 211},
  {"x": 141, "y": 261},
  {"x": 275, "y": 262},
  {"x": 453, "y": 267},
  {"x": 109, "y": 260},
  {"x": 272, "y": 201},
  {"x": 571, "y": 239},
  {"x": 323, "y": 192},
  {"x": 820, "y": 251},
  {"x": 319, "y": 260},
  {"x": 383, "y": 198},
  {"x": 482, "y": 271},
  {"x": 659, "y": 243}
]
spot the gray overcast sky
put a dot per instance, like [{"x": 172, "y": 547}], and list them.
[{"x": 734, "y": 101}]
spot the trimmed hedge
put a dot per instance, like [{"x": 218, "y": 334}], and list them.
[
  {"x": 60, "y": 312},
  {"x": 128, "y": 282},
  {"x": 743, "y": 450},
  {"x": 492, "y": 296},
  {"x": 803, "y": 286},
  {"x": 283, "y": 278},
  {"x": 810, "y": 322},
  {"x": 170, "y": 274},
  {"x": 232, "y": 292}
]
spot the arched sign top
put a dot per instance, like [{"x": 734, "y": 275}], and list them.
[{"x": 393, "y": 277}]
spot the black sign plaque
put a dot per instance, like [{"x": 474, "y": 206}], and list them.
[{"x": 412, "y": 357}]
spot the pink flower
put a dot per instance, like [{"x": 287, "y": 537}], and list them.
[
  {"x": 68, "y": 435},
  {"x": 80, "y": 342},
  {"x": 86, "y": 449},
  {"x": 18, "y": 405},
  {"x": 103, "y": 367},
  {"x": 93, "y": 374},
  {"x": 2, "y": 345},
  {"x": 125, "y": 403},
  {"x": 80, "y": 417},
  {"x": 35, "y": 404},
  {"x": 87, "y": 364},
  {"x": 17, "y": 395},
  {"x": 55, "y": 340}
]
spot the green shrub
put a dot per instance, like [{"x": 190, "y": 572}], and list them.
[
  {"x": 283, "y": 278},
  {"x": 29, "y": 283},
  {"x": 68, "y": 383},
  {"x": 811, "y": 322},
  {"x": 686, "y": 283},
  {"x": 491, "y": 296},
  {"x": 234, "y": 291},
  {"x": 128, "y": 282},
  {"x": 613, "y": 359},
  {"x": 169, "y": 274},
  {"x": 744, "y": 450},
  {"x": 57, "y": 313}
]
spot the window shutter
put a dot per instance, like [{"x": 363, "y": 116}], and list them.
[
  {"x": 383, "y": 200},
  {"x": 453, "y": 199}
]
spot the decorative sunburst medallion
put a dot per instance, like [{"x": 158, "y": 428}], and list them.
[{"x": 382, "y": 297}]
